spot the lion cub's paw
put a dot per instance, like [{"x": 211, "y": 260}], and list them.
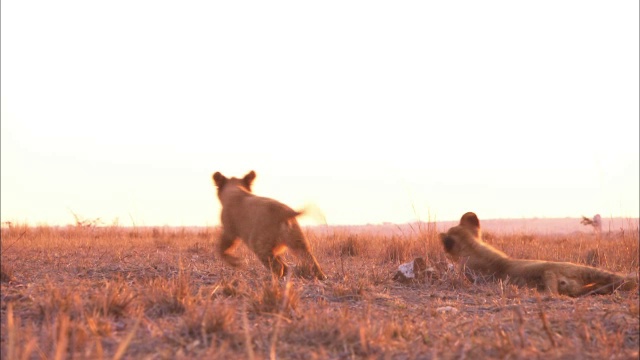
[
  {"x": 232, "y": 260},
  {"x": 307, "y": 272}
]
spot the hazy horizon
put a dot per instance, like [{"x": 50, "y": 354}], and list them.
[{"x": 566, "y": 225}]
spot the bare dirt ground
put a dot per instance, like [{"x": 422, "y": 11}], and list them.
[{"x": 93, "y": 293}]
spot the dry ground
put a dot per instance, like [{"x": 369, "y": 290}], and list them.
[{"x": 92, "y": 293}]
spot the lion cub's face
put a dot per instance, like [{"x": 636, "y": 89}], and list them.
[{"x": 459, "y": 239}]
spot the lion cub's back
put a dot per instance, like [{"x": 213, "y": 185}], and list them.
[
  {"x": 269, "y": 209},
  {"x": 261, "y": 215}
]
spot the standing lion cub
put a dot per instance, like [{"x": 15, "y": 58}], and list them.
[
  {"x": 267, "y": 226},
  {"x": 465, "y": 242}
]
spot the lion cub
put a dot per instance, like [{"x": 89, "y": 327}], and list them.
[
  {"x": 465, "y": 241},
  {"x": 267, "y": 226}
]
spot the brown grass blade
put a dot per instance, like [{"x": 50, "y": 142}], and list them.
[
  {"x": 11, "y": 333},
  {"x": 247, "y": 333},
  {"x": 63, "y": 338},
  {"x": 125, "y": 343}
]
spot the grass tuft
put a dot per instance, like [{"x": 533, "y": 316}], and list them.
[{"x": 274, "y": 297}]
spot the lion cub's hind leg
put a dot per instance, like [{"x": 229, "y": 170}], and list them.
[
  {"x": 272, "y": 259},
  {"x": 559, "y": 284},
  {"x": 299, "y": 245},
  {"x": 570, "y": 287},
  {"x": 228, "y": 242},
  {"x": 310, "y": 262}
]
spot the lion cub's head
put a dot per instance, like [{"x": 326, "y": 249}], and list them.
[
  {"x": 460, "y": 240},
  {"x": 222, "y": 182}
]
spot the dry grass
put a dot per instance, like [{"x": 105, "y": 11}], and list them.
[{"x": 93, "y": 293}]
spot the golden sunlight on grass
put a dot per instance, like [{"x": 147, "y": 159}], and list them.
[{"x": 162, "y": 293}]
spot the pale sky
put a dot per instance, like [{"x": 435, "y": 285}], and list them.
[{"x": 371, "y": 111}]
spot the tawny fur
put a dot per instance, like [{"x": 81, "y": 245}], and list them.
[
  {"x": 267, "y": 226},
  {"x": 464, "y": 243}
]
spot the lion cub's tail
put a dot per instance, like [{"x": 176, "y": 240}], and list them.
[
  {"x": 312, "y": 211},
  {"x": 282, "y": 212}
]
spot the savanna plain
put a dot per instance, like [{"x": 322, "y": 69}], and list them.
[{"x": 90, "y": 292}]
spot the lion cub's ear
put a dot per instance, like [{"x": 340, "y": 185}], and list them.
[
  {"x": 247, "y": 180},
  {"x": 471, "y": 222},
  {"x": 219, "y": 179}
]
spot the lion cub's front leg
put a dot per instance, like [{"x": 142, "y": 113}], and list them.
[
  {"x": 550, "y": 282},
  {"x": 228, "y": 242}
]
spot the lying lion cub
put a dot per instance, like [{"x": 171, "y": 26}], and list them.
[
  {"x": 267, "y": 226},
  {"x": 465, "y": 241}
]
